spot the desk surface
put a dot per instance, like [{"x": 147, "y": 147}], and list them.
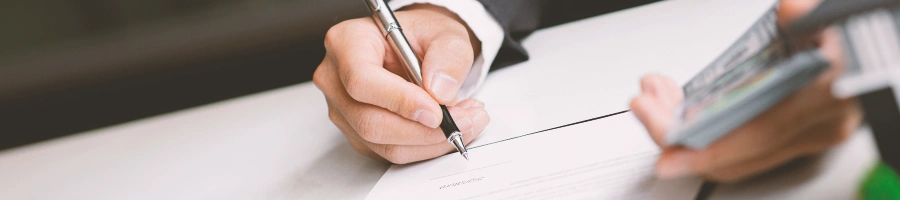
[{"x": 280, "y": 144}]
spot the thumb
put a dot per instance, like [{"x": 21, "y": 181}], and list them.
[
  {"x": 655, "y": 105},
  {"x": 446, "y": 49},
  {"x": 447, "y": 61}
]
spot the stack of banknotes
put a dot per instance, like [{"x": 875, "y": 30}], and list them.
[{"x": 762, "y": 67}]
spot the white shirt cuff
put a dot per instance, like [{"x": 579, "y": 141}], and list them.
[{"x": 485, "y": 27}]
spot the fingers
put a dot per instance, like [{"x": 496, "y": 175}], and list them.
[
  {"x": 810, "y": 106},
  {"x": 750, "y": 149},
  {"x": 401, "y": 154},
  {"x": 791, "y": 10},
  {"x": 739, "y": 154},
  {"x": 381, "y": 113},
  {"x": 762, "y": 136},
  {"x": 654, "y": 118},
  {"x": 813, "y": 140},
  {"x": 807, "y": 122},
  {"x": 655, "y": 105},
  {"x": 668, "y": 93},
  {"x": 676, "y": 161},
  {"x": 831, "y": 47},
  {"x": 847, "y": 119},
  {"x": 358, "y": 53},
  {"x": 345, "y": 129},
  {"x": 378, "y": 125}
]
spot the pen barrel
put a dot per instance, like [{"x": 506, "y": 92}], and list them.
[
  {"x": 448, "y": 126},
  {"x": 411, "y": 61},
  {"x": 390, "y": 27}
]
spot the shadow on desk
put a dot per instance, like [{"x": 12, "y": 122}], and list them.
[{"x": 358, "y": 173}]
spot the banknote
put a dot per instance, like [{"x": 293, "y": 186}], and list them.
[{"x": 751, "y": 76}]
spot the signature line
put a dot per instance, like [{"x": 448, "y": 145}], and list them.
[{"x": 471, "y": 170}]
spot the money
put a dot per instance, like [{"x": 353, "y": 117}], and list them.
[
  {"x": 751, "y": 76},
  {"x": 700, "y": 123}
]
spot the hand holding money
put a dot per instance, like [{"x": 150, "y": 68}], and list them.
[{"x": 806, "y": 122}]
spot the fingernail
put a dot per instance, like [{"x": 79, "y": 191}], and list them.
[
  {"x": 427, "y": 118},
  {"x": 480, "y": 121},
  {"x": 444, "y": 87},
  {"x": 464, "y": 124},
  {"x": 470, "y": 103},
  {"x": 478, "y": 104},
  {"x": 466, "y": 103},
  {"x": 462, "y": 119},
  {"x": 679, "y": 165}
]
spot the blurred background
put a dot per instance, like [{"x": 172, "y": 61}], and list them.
[{"x": 68, "y": 66}]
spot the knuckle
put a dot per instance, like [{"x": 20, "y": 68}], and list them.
[
  {"x": 334, "y": 33},
  {"x": 319, "y": 77},
  {"x": 359, "y": 148},
  {"x": 429, "y": 137},
  {"x": 460, "y": 47},
  {"x": 354, "y": 83},
  {"x": 335, "y": 116},
  {"x": 455, "y": 43},
  {"x": 348, "y": 29},
  {"x": 637, "y": 103},
  {"x": 647, "y": 81},
  {"x": 453, "y": 24},
  {"x": 362, "y": 28},
  {"x": 403, "y": 104},
  {"x": 367, "y": 128},
  {"x": 395, "y": 154}
]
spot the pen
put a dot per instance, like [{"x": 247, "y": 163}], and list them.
[{"x": 390, "y": 27}]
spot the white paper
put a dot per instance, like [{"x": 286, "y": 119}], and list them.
[{"x": 608, "y": 158}]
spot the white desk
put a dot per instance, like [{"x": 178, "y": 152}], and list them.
[{"x": 280, "y": 144}]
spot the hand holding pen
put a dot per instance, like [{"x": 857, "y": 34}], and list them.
[{"x": 378, "y": 110}]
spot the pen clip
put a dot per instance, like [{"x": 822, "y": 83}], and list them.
[
  {"x": 383, "y": 16},
  {"x": 374, "y": 5}
]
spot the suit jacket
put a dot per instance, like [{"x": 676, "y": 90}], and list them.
[{"x": 519, "y": 18}]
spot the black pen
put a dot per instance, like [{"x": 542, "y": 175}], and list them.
[{"x": 384, "y": 18}]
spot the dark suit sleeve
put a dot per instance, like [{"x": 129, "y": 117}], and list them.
[{"x": 519, "y": 18}]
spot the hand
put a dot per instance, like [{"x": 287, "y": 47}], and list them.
[
  {"x": 807, "y": 122},
  {"x": 383, "y": 115}
]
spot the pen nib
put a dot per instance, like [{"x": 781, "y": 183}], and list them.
[{"x": 456, "y": 140}]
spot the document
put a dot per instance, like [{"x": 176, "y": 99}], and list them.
[{"x": 608, "y": 157}]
